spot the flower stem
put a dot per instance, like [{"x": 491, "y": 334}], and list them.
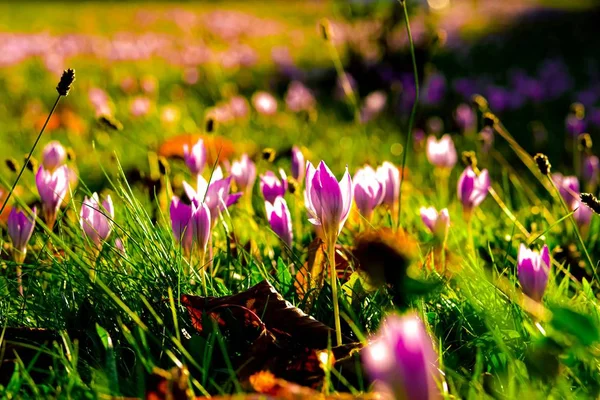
[
  {"x": 413, "y": 112},
  {"x": 203, "y": 271},
  {"x": 29, "y": 155},
  {"x": 19, "y": 258},
  {"x": 334, "y": 283}
]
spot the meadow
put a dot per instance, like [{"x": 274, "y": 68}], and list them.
[{"x": 377, "y": 200}]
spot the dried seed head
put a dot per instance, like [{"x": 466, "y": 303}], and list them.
[
  {"x": 578, "y": 110},
  {"x": 489, "y": 119},
  {"x": 543, "y": 163},
  {"x": 32, "y": 165},
  {"x": 469, "y": 158},
  {"x": 325, "y": 29},
  {"x": 591, "y": 201},
  {"x": 268, "y": 154},
  {"x": 163, "y": 166},
  {"x": 480, "y": 102},
  {"x": 110, "y": 122},
  {"x": 292, "y": 185},
  {"x": 66, "y": 80},
  {"x": 70, "y": 154},
  {"x": 585, "y": 141},
  {"x": 11, "y": 164},
  {"x": 210, "y": 124}
]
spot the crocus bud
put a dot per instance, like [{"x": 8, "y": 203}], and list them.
[
  {"x": 243, "y": 173},
  {"x": 389, "y": 176},
  {"x": 53, "y": 155},
  {"x": 591, "y": 167},
  {"x": 96, "y": 219},
  {"x": 280, "y": 220},
  {"x": 568, "y": 186},
  {"x": 298, "y": 164},
  {"x": 472, "y": 189},
  {"x": 264, "y": 103},
  {"x": 181, "y": 214},
  {"x": 401, "y": 356},
  {"x": 271, "y": 187},
  {"x": 20, "y": 229},
  {"x": 437, "y": 223},
  {"x": 200, "y": 224},
  {"x": 52, "y": 188},
  {"x": 441, "y": 153},
  {"x": 368, "y": 191},
  {"x": 327, "y": 201},
  {"x": 195, "y": 158},
  {"x": 533, "y": 269}
]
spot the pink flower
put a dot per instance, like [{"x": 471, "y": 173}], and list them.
[
  {"x": 264, "y": 103},
  {"x": 96, "y": 219},
  {"x": 140, "y": 106},
  {"x": 389, "y": 176},
  {"x": 53, "y": 155},
  {"x": 368, "y": 191},
  {"x": 195, "y": 158},
  {"x": 441, "y": 153},
  {"x": 472, "y": 189},
  {"x": 280, "y": 220},
  {"x": 533, "y": 269},
  {"x": 437, "y": 223},
  {"x": 271, "y": 187},
  {"x": 20, "y": 229},
  {"x": 243, "y": 173},
  {"x": 298, "y": 165},
  {"x": 52, "y": 187}
]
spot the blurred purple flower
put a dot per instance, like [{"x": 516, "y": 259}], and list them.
[
  {"x": 298, "y": 165},
  {"x": 280, "y": 220},
  {"x": 140, "y": 106},
  {"x": 434, "y": 89},
  {"x": 441, "y": 153},
  {"x": 264, "y": 103},
  {"x": 368, "y": 191},
  {"x": 486, "y": 136},
  {"x": 465, "y": 117},
  {"x": 195, "y": 158},
  {"x": 402, "y": 357},
  {"x": 239, "y": 106},
  {"x": 100, "y": 101},
  {"x": 299, "y": 97},
  {"x": 243, "y": 173},
  {"x": 472, "y": 189},
  {"x": 373, "y": 105},
  {"x": 575, "y": 124},
  {"x": 272, "y": 187},
  {"x": 327, "y": 201},
  {"x": 20, "y": 229},
  {"x": 582, "y": 214},
  {"x": 568, "y": 186},
  {"x": 533, "y": 269},
  {"x": 591, "y": 167},
  {"x": 95, "y": 219},
  {"x": 53, "y": 156}
]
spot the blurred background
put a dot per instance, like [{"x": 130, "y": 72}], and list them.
[{"x": 150, "y": 72}]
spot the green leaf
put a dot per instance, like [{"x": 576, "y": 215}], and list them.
[
  {"x": 580, "y": 326},
  {"x": 104, "y": 337},
  {"x": 284, "y": 277}
]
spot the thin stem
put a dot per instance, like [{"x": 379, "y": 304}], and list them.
[
  {"x": 29, "y": 155},
  {"x": 19, "y": 258},
  {"x": 334, "y": 283},
  {"x": 574, "y": 223},
  {"x": 411, "y": 120},
  {"x": 203, "y": 272}
]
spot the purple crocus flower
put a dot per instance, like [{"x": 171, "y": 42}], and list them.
[
  {"x": 215, "y": 194},
  {"x": 181, "y": 214},
  {"x": 298, "y": 164},
  {"x": 280, "y": 220},
  {"x": 368, "y": 191},
  {"x": 389, "y": 176},
  {"x": 568, "y": 186},
  {"x": 264, "y": 103},
  {"x": 533, "y": 269},
  {"x": 96, "y": 219},
  {"x": 271, "y": 187},
  {"x": 200, "y": 224},
  {"x": 195, "y": 158},
  {"x": 441, "y": 153},
  {"x": 402, "y": 357},
  {"x": 472, "y": 189},
  {"x": 327, "y": 201},
  {"x": 52, "y": 187},
  {"x": 582, "y": 214},
  {"x": 20, "y": 229},
  {"x": 437, "y": 223},
  {"x": 591, "y": 168},
  {"x": 243, "y": 173},
  {"x": 465, "y": 117},
  {"x": 53, "y": 155}
]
